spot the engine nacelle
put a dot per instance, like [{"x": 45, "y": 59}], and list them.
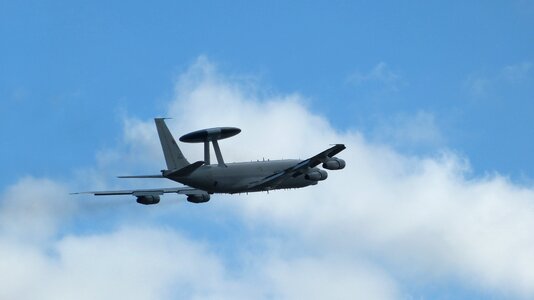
[
  {"x": 148, "y": 199},
  {"x": 334, "y": 164},
  {"x": 316, "y": 175},
  {"x": 198, "y": 198}
]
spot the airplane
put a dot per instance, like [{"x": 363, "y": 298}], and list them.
[{"x": 202, "y": 179}]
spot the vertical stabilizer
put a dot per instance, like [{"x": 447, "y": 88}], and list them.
[{"x": 173, "y": 156}]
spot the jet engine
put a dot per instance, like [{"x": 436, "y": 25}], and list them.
[
  {"x": 316, "y": 175},
  {"x": 334, "y": 163},
  {"x": 198, "y": 198},
  {"x": 148, "y": 199}
]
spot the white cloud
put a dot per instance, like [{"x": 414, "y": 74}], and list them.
[
  {"x": 143, "y": 261},
  {"x": 478, "y": 86},
  {"x": 517, "y": 72},
  {"x": 317, "y": 278},
  {"x": 417, "y": 131},
  {"x": 385, "y": 219},
  {"x": 33, "y": 209},
  {"x": 128, "y": 263},
  {"x": 421, "y": 213},
  {"x": 381, "y": 73},
  {"x": 482, "y": 85}
]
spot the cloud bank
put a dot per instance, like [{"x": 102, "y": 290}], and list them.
[{"x": 382, "y": 225}]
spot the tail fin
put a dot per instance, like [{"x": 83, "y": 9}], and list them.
[{"x": 173, "y": 156}]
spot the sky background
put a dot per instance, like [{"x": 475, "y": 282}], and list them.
[{"x": 434, "y": 101}]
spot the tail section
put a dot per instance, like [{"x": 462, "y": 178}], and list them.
[{"x": 173, "y": 156}]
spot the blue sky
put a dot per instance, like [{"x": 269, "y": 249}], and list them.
[
  {"x": 451, "y": 83},
  {"x": 75, "y": 63}
]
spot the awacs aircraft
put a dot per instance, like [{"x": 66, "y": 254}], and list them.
[{"x": 203, "y": 179}]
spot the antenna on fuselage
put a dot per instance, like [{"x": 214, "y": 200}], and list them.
[{"x": 211, "y": 135}]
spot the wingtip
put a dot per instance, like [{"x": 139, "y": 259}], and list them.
[{"x": 341, "y": 145}]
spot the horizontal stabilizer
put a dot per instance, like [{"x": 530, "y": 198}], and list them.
[
  {"x": 185, "y": 170},
  {"x": 142, "y": 176}
]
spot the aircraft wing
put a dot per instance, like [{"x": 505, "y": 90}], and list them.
[
  {"x": 275, "y": 179},
  {"x": 141, "y": 192}
]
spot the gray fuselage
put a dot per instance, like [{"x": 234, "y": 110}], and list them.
[{"x": 236, "y": 177}]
